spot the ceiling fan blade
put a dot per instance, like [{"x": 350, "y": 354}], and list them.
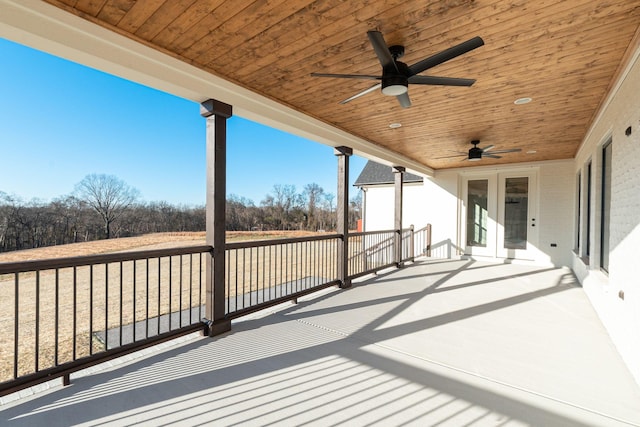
[
  {"x": 445, "y": 55},
  {"x": 381, "y": 48},
  {"x": 443, "y": 81},
  {"x": 364, "y": 92},
  {"x": 404, "y": 100},
  {"x": 487, "y": 148},
  {"x": 347, "y": 76},
  {"x": 510, "y": 150},
  {"x": 491, "y": 156}
]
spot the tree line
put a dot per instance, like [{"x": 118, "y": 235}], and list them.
[{"x": 103, "y": 206}]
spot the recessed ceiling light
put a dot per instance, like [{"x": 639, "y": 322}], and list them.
[
  {"x": 532, "y": 152},
  {"x": 521, "y": 101},
  {"x": 395, "y": 125}
]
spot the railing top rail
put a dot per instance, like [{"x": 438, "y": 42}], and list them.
[
  {"x": 257, "y": 243},
  {"x": 51, "y": 263},
  {"x": 369, "y": 233}
]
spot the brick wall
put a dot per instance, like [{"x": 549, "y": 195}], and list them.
[{"x": 616, "y": 295}]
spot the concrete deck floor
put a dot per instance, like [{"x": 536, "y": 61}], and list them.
[{"x": 449, "y": 342}]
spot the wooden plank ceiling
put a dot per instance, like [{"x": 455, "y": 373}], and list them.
[{"x": 564, "y": 54}]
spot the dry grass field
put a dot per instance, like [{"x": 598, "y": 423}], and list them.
[
  {"x": 148, "y": 241},
  {"x": 107, "y": 296}
]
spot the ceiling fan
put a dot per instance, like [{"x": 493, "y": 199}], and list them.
[
  {"x": 476, "y": 153},
  {"x": 396, "y": 76}
]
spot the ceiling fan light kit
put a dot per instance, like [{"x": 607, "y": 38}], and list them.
[
  {"x": 397, "y": 76},
  {"x": 395, "y": 85}
]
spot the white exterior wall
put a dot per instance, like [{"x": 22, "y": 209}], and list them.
[
  {"x": 436, "y": 201},
  {"x": 556, "y": 187},
  {"x": 379, "y": 207},
  {"x": 442, "y": 193},
  {"x": 616, "y": 295}
]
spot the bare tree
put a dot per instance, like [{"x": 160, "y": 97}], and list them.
[
  {"x": 312, "y": 194},
  {"x": 328, "y": 216},
  {"x": 108, "y": 195},
  {"x": 355, "y": 210}
]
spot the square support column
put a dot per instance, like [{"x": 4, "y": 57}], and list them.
[
  {"x": 398, "y": 175},
  {"x": 343, "y": 154},
  {"x": 216, "y": 113}
]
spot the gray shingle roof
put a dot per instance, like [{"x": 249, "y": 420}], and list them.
[{"x": 375, "y": 173}]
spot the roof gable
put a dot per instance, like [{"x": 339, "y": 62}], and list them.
[{"x": 376, "y": 174}]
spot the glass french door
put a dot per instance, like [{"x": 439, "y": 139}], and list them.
[
  {"x": 517, "y": 232},
  {"x": 480, "y": 219},
  {"x": 500, "y": 215}
]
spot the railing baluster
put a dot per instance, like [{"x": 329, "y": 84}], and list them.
[
  {"x": 57, "y": 318},
  {"x": 180, "y": 297},
  {"x": 237, "y": 253},
  {"x": 271, "y": 283},
  {"x": 279, "y": 283},
  {"x": 159, "y": 289},
  {"x": 120, "y": 312},
  {"x": 134, "y": 298},
  {"x": 16, "y": 323},
  {"x": 75, "y": 311},
  {"x": 106, "y": 306},
  {"x": 190, "y": 288},
  {"x": 227, "y": 279},
  {"x": 91, "y": 309},
  {"x": 37, "y": 336},
  {"x": 170, "y": 259},
  {"x": 200, "y": 287},
  {"x": 264, "y": 285},
  {"x": 146, "y": 317}
]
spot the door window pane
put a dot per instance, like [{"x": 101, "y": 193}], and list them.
[
  {"x": 516, "y": 206},
  {"x": 477, "y": 217}
]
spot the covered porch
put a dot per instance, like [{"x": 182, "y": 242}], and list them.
[
  {"x": 455, "y": 342},
  {"x": 442, "y": 342}
]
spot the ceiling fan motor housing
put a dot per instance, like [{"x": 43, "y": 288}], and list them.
[
  {"x": 475, "y": 153},
  {"x": 394, "y": 79}
]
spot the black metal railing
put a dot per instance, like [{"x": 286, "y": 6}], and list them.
[
  {"x": 422, "y": 241},
  {"x": 265, "y": 273},
  {"x": 61, "y": 315},
  {"x": 370, "y": 251}
]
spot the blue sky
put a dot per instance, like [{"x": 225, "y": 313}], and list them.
[{"x": 60, "y": 121}]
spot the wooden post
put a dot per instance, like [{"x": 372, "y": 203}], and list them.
[
  {"x": 398, "y": 176},
  {"x": 343, "y": 154},
  {"x": 216, "y": 113}
]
